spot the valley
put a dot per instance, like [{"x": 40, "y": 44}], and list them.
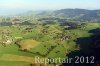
[{"x": 24, "y": 38}]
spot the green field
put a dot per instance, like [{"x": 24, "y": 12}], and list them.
[{"x": 19, "y": 44}]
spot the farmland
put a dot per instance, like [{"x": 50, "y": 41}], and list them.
[{"x": 21, "y": 39}]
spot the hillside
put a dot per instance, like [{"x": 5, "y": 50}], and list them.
[{"x": 81, "y": 15}]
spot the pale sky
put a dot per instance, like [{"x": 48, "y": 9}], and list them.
[{"x": 7, "y": 6}]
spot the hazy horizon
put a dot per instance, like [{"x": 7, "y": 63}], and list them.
[{"x": 8, "y": 7}]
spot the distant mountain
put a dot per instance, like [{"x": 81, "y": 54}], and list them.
[
  {"x": 76, "y": 14},
  {"x": 79, "y": 14},
  {"x": 69, "y": 13}
]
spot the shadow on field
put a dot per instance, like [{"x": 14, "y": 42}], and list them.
[{"x": 89, "y": 48}]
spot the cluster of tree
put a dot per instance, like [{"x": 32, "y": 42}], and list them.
[
  {"x": 24, "y": 23},
  {"x": 20, "y": 23},
  {"x": 5, "y": 23},
  {"x": 71, "y": 25}
]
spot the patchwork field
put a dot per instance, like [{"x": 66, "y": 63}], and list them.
[{"x": 21, "y": 42}]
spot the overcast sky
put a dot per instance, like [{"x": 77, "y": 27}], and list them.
[{"x": 14, "y": 6}]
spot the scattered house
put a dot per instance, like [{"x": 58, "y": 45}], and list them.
[
  {"x": 8, "y": 42},
  {"x": 56, "y": 65},
  {"x": 6, "y": 32}
]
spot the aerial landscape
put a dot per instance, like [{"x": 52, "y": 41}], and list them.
[{"x": 49, "y": 33}]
